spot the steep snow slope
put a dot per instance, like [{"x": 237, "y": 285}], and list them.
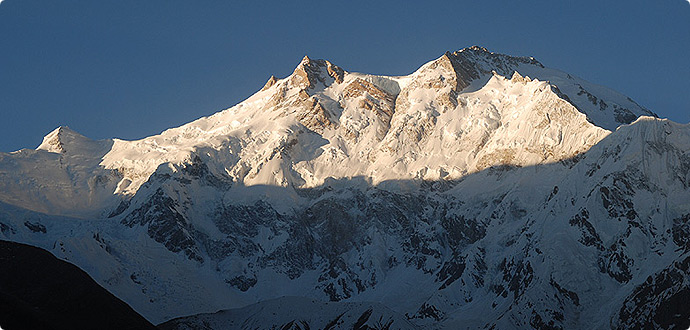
[
  {"x": 464, "y": 194},
  {"x": 62, "y": 176},
  {"x": 289, "y": 313},
  {"x": 594, "y": 233}
]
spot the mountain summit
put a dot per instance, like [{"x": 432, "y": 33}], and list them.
[{"x": 482, "y": 190}]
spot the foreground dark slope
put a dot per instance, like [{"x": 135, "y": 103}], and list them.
[{"x": 39, "y": 291}]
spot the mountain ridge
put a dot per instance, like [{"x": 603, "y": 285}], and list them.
[{"x": 355, "y": 115}]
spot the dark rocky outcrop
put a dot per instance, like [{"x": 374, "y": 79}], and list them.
[{"x": 39, "y": 291}]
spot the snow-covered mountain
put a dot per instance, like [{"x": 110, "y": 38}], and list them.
[
  {"x": 481, "y": 190},
  {"x": 458, "y": 114}
]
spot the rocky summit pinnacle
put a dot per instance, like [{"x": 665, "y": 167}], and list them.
[
  {"x": 311, "y": 72},
  {"x": 482, "y": 190},
  {"x": 271, "y": 81},
  {"x": 56, "y": 139}
]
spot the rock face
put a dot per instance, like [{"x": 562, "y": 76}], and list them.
[
  {"x": 481, "y": 191},
  {"x": 39, "y": 291}
]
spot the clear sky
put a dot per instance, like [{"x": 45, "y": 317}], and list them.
[{"x": 130, "y": 69}]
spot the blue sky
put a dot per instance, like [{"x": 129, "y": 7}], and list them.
[{"x": 130, "y": 69}]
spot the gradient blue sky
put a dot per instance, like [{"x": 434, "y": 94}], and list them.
[{"x": 129, "y": 69}]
